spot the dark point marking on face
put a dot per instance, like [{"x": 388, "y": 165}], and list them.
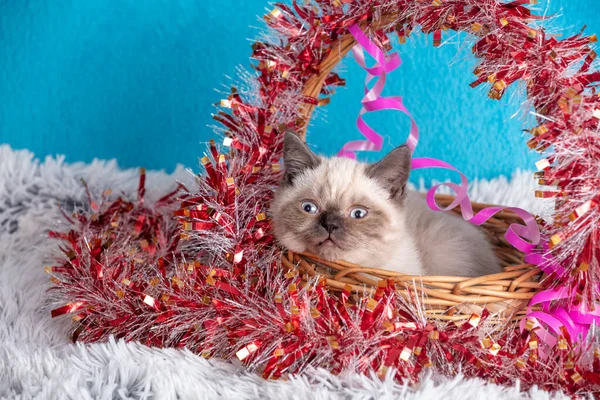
[{"x": 332, "y": 221}]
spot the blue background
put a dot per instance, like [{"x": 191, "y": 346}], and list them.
[{"x": 135, "y": 80}]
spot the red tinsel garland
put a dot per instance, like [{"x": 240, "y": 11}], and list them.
[{"x": 221, "y": 291}]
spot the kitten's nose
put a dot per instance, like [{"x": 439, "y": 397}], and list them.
[
  {"x": 330, "y": 223},
  {"x": 330, "y": 227}
]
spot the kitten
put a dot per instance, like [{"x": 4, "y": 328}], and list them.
[{"x": 341, "y": 209}]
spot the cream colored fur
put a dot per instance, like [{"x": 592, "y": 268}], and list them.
[
  {"x": 400, "y": 232},
  {"x": 346, "y": 181}
]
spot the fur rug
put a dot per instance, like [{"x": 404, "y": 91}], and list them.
[{"x": 37, "y": 360}]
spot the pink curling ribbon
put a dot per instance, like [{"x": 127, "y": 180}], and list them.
[
  {"x": 526, "y": 238},
  {"x": 372, "y": 101}
]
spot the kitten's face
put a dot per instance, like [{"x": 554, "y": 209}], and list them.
[{"x": 336, "y": 207}]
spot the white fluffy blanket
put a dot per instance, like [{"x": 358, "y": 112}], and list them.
[{"x": 38, "y": 361}]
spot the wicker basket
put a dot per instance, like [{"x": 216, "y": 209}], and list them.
[
  {"x": 450, "y": 298},
  {"x": 504, "y": 294}
]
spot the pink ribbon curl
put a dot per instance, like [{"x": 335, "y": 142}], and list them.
[
  {"x": 526, "y": 238},
  {"x": 373, "y": 101}
]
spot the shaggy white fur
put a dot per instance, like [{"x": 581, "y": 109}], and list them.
[{"x": 38, "y": 361}]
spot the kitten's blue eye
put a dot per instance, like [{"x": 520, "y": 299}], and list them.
[
  {"x": 358, "y": 213},
  {"x": 309, "y": 207}
]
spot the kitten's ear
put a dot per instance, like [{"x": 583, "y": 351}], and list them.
[
  {"x": 297, "y": 157},
  {"x": 392, "y": 171}
]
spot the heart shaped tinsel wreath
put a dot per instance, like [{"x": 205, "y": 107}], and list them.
[{"x": 218, "y": 289}]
